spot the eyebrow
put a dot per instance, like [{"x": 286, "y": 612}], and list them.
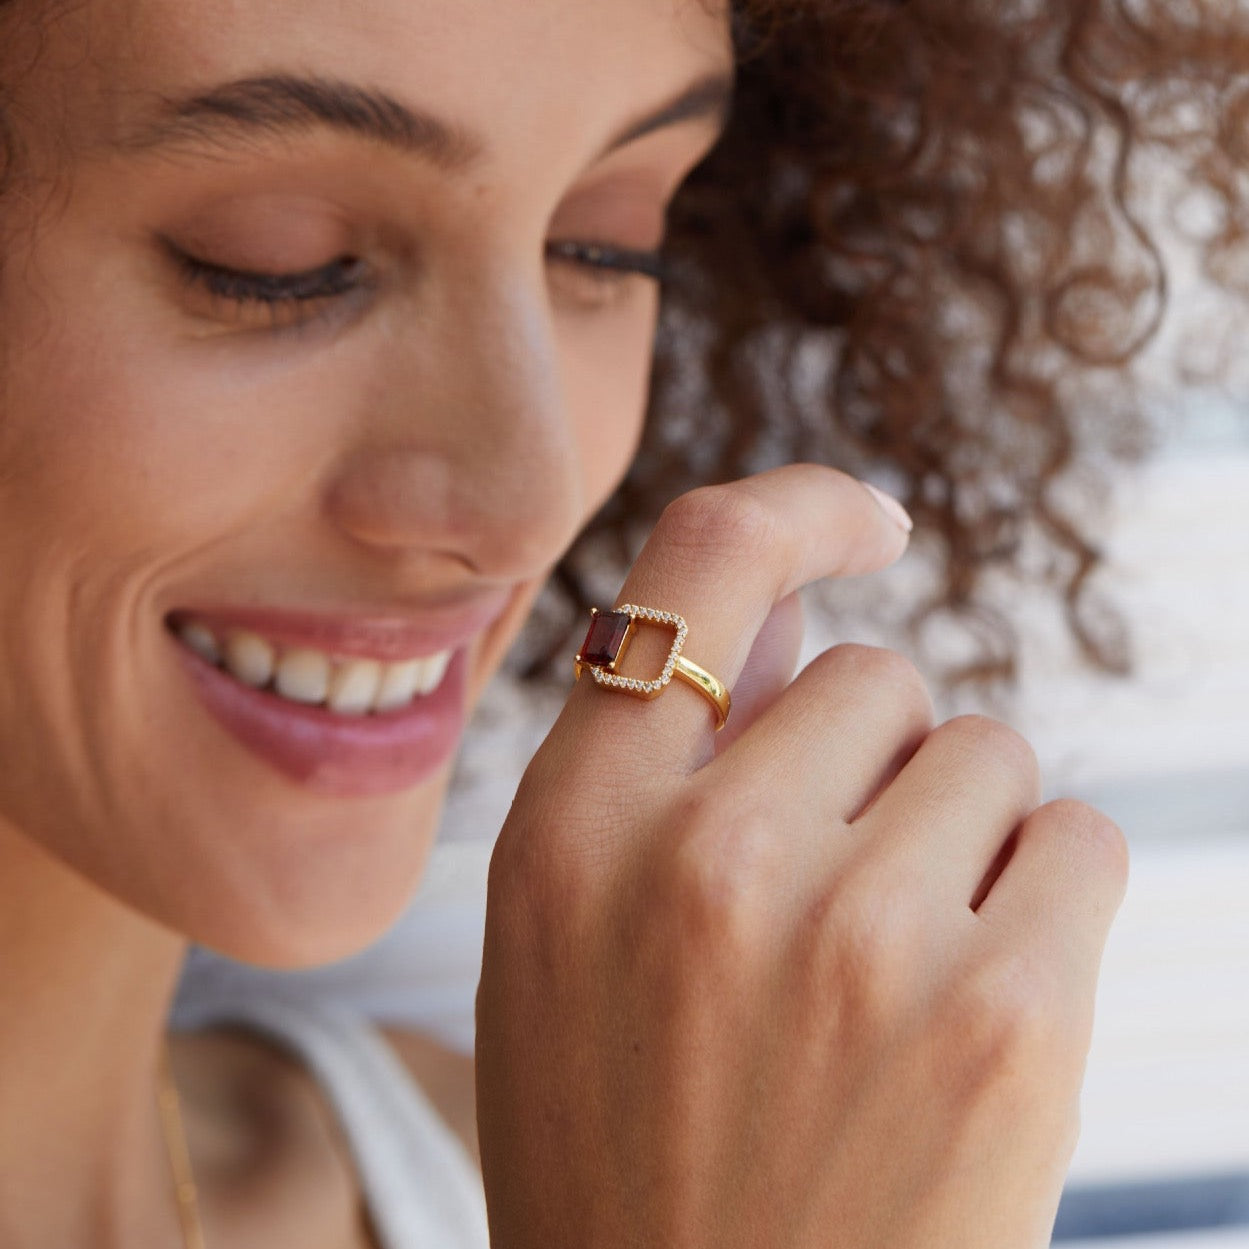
[
  {"x": 283, "y": 104},
  {"x": 707, "y": 99}
]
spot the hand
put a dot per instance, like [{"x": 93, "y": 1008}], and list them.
[{"x": 831, "y": 985}]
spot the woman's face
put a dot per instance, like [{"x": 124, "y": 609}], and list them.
[{"x": 320, "y": 337}]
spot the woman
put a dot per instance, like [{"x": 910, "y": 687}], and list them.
[{"x": 325, "y": 331}]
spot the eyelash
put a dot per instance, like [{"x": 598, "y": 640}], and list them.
[
  {"x": 603, "y": 263},
  {"x": 275, "y": 289},
  {"x": 608, "y": 263}
]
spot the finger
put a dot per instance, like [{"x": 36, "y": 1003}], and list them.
[
  {"x": 1061, "y": 889},
  {"x": 839, "y": 734},
  {"x": 954, "y": 805},
  {"x": 721, "y": 557},
  {"x": 768, "y": 670}
]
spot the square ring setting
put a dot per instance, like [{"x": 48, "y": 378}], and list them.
[{"x": 608, "y": 639}]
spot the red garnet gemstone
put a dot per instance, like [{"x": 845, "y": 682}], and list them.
[{"x": 607, "y": 633}]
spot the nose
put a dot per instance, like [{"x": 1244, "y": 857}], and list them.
[{"x": 468, "y": 451}]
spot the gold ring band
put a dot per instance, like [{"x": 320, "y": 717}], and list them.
[
  {"x": 608, "y": 639},
  {"x": 707, "y": 685}
]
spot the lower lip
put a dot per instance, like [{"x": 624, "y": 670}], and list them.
[{"x": 347, "y": 756}]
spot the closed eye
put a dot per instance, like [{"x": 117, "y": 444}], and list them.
[
  {"x": 338, "y": 277},
  {"x": 608, "y": 261}
]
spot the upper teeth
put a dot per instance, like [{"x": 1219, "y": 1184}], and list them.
[{"x": 349, "y": 686}]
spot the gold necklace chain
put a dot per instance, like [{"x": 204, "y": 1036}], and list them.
[{"x": 170, "y": 1106}]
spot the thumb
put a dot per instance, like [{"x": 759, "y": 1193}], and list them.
[{"x": 769, "y": 669}]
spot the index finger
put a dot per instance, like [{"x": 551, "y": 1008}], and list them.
[{"x": 720, "y": 558}]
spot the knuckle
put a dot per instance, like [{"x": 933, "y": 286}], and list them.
[
  {"x": 979, "y": 737},
  {"x": 884, "y": 670},
  {"x": 1092, "y": 835},
  {"x": 860, "y": 939},
  {"x": 1005, "y": 1015},
  {"x": 1009, "y": 1054},
  {"x": 719, "y": 521},
  {"x": 716, "y": 875}
]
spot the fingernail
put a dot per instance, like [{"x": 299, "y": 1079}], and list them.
[{"x": 891, "y": 508}]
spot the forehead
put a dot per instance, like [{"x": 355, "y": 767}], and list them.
[{"x": 527, "y": 70}]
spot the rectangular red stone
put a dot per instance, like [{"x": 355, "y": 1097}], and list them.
[{"x": 602, "y": 644}]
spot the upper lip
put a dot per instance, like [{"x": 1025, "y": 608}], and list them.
[{"x": 390, "y": 636}]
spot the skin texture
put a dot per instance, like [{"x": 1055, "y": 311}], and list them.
[{"x": 436, "y": 435}]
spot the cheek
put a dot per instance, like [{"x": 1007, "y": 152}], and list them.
[
  {"x": 116, "y": 439},
  {"x": 607, "y": 376},
  {"x": 129, "y": 463},
  {"x": 127, "y": 427}
]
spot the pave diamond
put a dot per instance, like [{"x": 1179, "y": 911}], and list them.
[{"x": 644, "y": 689}]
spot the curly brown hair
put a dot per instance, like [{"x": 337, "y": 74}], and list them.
[{"x": 918, "y": 253}]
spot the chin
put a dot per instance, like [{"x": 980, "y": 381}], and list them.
[{"x": 298, "y": 890}]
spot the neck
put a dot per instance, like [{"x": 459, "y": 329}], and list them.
[{"x": 85, "y": 986}]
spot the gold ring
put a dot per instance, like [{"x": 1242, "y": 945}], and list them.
[{"x": 608, "y": 639}]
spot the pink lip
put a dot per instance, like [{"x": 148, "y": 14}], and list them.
[
  {"x": 334, "y": 754},
  {"x": 387, "y": 638}
]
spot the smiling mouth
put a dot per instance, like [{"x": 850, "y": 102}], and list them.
[{"x": 349, "y": 686}]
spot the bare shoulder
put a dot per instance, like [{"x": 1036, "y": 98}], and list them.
[{"x": 446, "y": 1078}]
